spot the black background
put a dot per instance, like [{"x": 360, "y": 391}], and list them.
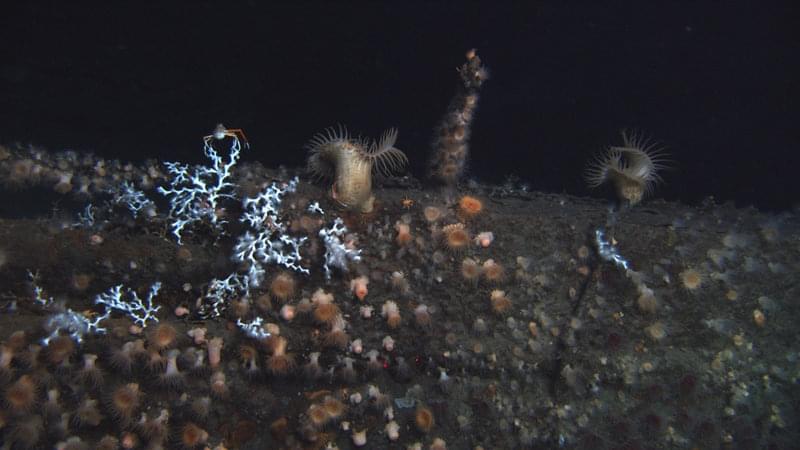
[{"x": 716, "y": 82}]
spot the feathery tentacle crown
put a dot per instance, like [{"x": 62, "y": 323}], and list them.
[
  {"x": 633, "y": 167},
  {"x": 350, "y": 162}
]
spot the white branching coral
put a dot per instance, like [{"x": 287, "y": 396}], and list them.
[
  {"x": 254, "y": 328},
  {"x": 76, "y": 325},
  {"x": 38, "y": 292},
  {"x": 140, "y": 311},
  {"x": 609, "y": 252},
  {"x": 264, "y": 248},
  {"x": 195, "y": 192},
  {"x": 337, "y": 253},
  {"x": 135, "y": 200},
  {"x": 79, "y": 325},
  {"x": 268, "y": 243},
  {"x": 221, "y": 292},
  {"x": 263, "y": 209}
]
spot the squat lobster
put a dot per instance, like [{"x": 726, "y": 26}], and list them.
[{"x": 220, "y": 132}]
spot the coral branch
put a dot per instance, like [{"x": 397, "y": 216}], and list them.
[
  {"x": 269, "y": 242},
  {"x": 140, "y": 311},
  {"x": 336, "y": 252},
  {"x": 195, "y": 192}
]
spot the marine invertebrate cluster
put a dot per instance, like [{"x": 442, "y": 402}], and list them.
[
  {"x": 350, "y": 163},
  {"x": 479, "y": 360},
  {"x": 82, "y": 176},
  {"x": 451, "y": 140}
]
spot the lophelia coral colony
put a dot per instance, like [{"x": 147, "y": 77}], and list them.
[{"x": 414, "y": 327}]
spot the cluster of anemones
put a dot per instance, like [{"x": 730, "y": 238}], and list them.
[{"x": 34, "y": 408}]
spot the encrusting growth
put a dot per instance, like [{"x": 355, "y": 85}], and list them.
[
  {"x": 350, "y": 161},
  {"x": 450, "y": 144},
  {"x": 633, "y": 168}
]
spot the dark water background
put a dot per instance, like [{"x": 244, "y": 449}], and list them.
[{"x": 717, "y": 83}]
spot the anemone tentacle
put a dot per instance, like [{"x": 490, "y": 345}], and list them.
[
  {"x": 351, "y": 161},
  {"x": 633, "y": 167}
]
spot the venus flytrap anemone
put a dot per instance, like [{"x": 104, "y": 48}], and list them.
[
  {"x": 350, "y": 162},
  {"x": 633, "y": 168}
]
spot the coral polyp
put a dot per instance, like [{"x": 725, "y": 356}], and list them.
[
  {"x": 350, "y": 162},
  {"x": 633, "y": 167}
]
